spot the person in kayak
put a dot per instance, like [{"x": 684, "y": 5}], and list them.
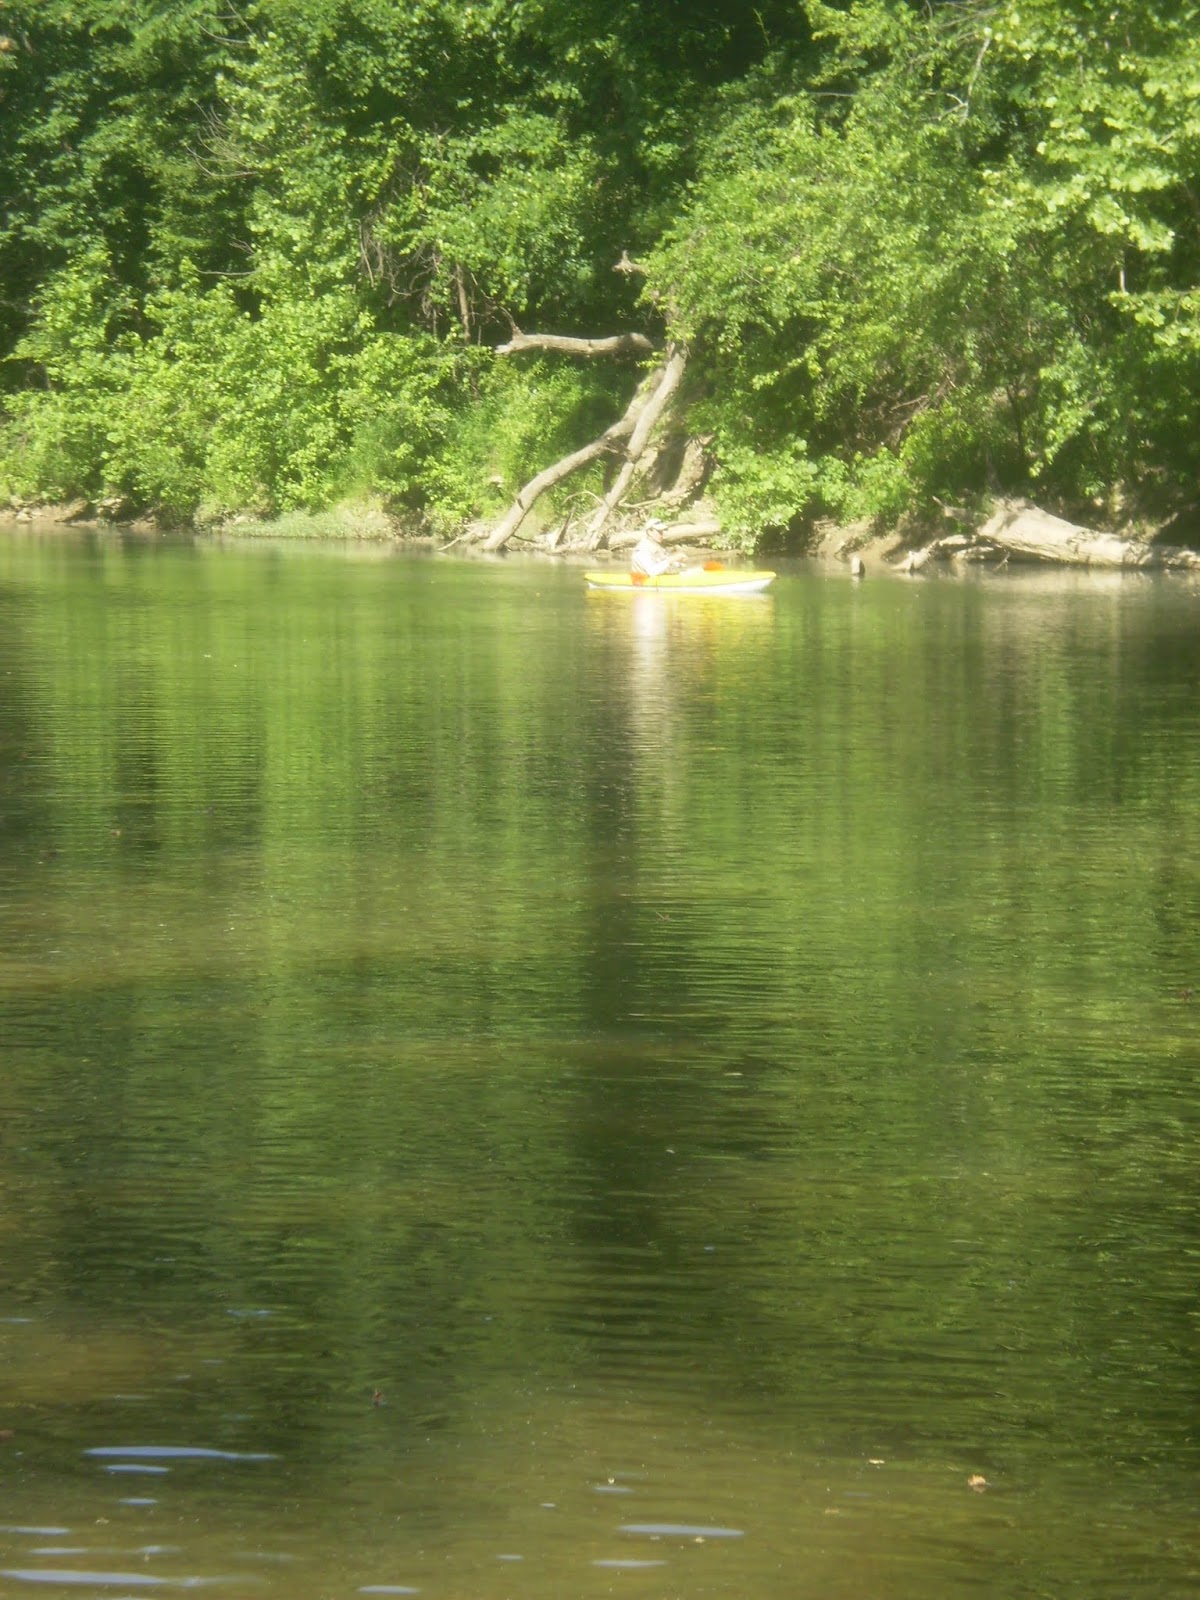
[{"x": 649, "y": 559}]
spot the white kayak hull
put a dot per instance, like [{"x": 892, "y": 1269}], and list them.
[{"x": 699, "y": 580}]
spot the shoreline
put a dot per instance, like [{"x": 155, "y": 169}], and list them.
[{"x": 1017, "y": 532}]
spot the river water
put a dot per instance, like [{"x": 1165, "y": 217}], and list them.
[{"x": 508, "y": 1091}]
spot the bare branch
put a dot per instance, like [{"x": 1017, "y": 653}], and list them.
[
  {"x": 616, "y": 344},
  {"x": 669, "y": 381},
  {"x": 458, "y": 278},
  {"x": 563, "y": 468}
]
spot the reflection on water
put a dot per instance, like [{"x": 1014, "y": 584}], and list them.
[{"x": 502, "y": 1083}]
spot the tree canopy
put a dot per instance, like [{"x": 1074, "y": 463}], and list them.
[{"x": 255, "y": 254}]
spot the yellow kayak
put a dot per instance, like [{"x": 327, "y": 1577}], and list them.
[{"x": 695, "y": 580}]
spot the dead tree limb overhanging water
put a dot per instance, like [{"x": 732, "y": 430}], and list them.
[{"x": 627, "y": 437}]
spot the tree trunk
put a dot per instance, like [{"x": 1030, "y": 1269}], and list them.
[
  {"x": 1026, "y": 533},
  {"x": 549, "y": 476},
  {"x": 677, "y": 533},
  {"x": 636, "y": 425},
  {"x": 1035, "y": 535},
  {"x": 672, "y": 374}
]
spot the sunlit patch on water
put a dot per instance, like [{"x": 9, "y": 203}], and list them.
[
  {"x": 681, "y": 1530},
  {"x": 175, "y": 1452},
  {"x": 627, "y": 1564},
  {"x": 68, "y": 1577}
]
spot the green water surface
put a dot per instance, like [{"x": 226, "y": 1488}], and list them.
[{"x": 508, "y": 1091}]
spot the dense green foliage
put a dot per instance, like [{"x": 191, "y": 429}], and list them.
[
  {"x": 254, "y": 254},
  {"x": 966, "y": 252}
]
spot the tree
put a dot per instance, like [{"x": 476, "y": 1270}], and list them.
[
  {"x": 260, "y": 254},
  {"x": 963, "y": 254}
]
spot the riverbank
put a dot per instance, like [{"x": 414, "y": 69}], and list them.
[
  {"x": 362, "y": 521},
  {"x": 1013, "y": 530}
]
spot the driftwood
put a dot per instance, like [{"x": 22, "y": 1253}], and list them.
[
  {"x": 1022, "y": 532},
  {"x": 701, "y": 532}
]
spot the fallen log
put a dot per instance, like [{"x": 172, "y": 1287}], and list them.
[
  {"x": 1024, "y": 532},
  {"x": 700, "y": 532}
]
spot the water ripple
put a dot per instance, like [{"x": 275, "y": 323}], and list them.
[
  {"x": 173, "y": 1452},
  {"x": 69, "y": 1577},
  {"x": 681, "y": 1530}
]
